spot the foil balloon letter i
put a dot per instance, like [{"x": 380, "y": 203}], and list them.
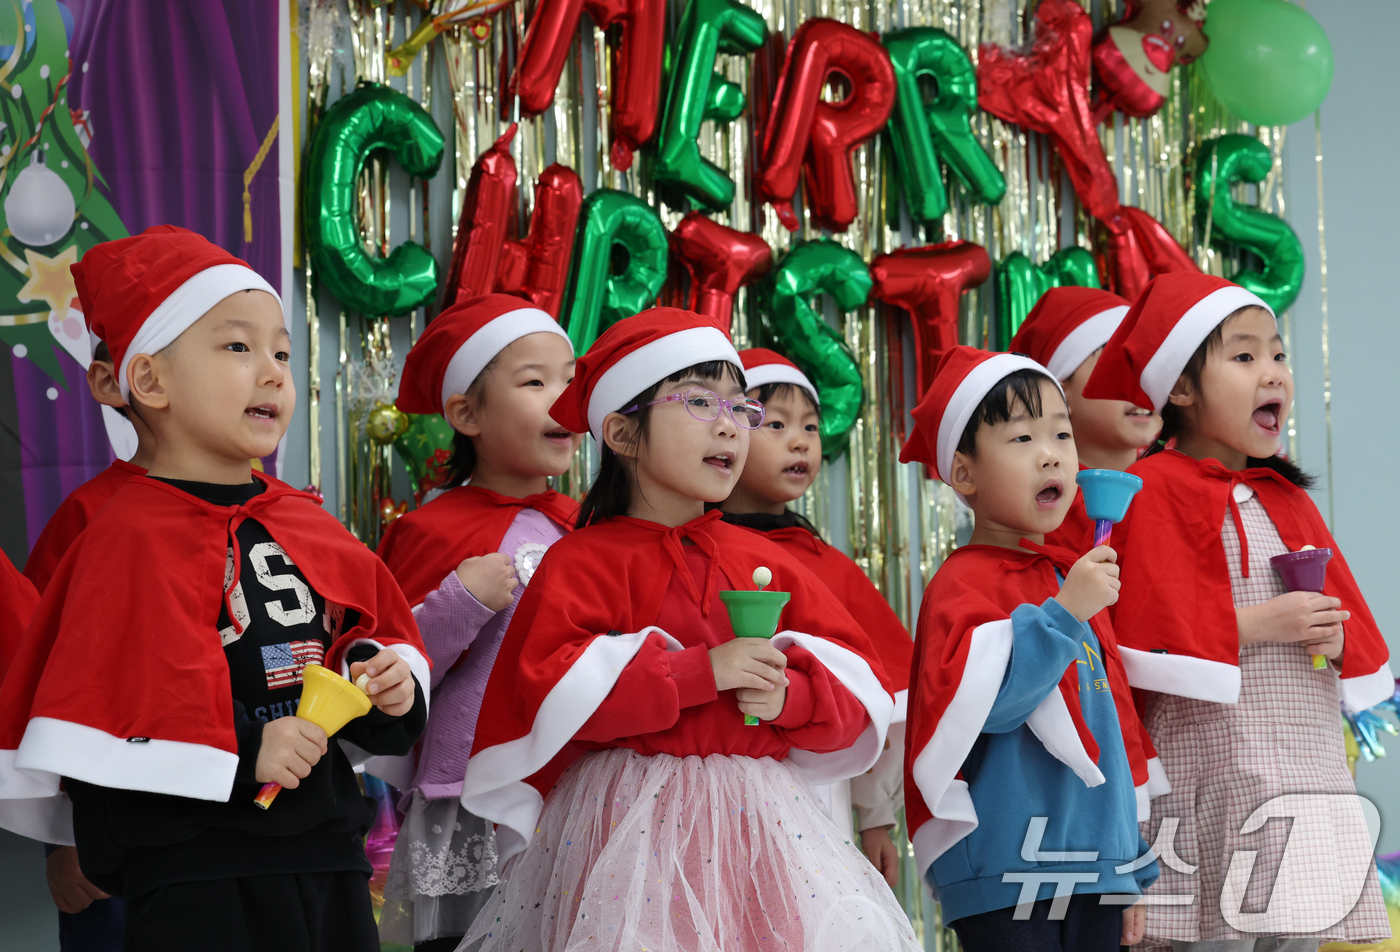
[
  {"x": 755, "y": 614},
  {"x": 1107, "y": 493}
]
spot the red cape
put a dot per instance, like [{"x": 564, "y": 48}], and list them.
[
  {"x": 588, "y": 611},
  {"x": 121, "y": 681},
  {"x": 960, "y": 658},
  {"x": 466, "y": 522},
  {"x": 1176, "y": 612},
  {"x": 18, "y": 599},
  {"x": 862, "y": 599},
  {"x": 72, "y": 517}
]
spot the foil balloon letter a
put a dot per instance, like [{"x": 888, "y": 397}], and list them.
[
  {"x": 696, "y": 93},
  {"x": 806, "y": 134}
]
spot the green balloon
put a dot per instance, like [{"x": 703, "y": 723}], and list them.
[
  {"x": 1268, "y": 61},
  {"x": 369, "y": 118},
  {"x": 620, "y": 255},
  {"x": 425, "y": 448},
  {"x": 1020, "y": 283},
  {"x": 801, "y": 332},
  {"x": 1220, "y": 163}
]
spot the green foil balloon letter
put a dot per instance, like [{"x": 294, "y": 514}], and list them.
[
  {"x": 620, "y": 256},
  {"x": 802, "y": 333},
  {"x": 369, "y": 118},
  {"x": 1020, "y": 283},
  {"x": 1222, "y": 162},
  {"x": 925, "y": 130},
  {"x": 696, "y": 93}
]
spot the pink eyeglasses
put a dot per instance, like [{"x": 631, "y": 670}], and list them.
[{"x": 706, "y": 406}]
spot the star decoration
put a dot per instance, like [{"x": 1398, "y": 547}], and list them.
[{"x": 50, "y": 280}]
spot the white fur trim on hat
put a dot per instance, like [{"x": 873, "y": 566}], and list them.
[
  {"x": 764, "y": 374},
  {"x": 976, "y": 385},
  {"x": 187, "y": 304},
  {"x": 1083, "y": 341},
  {"x": 1166, "y": 365},
  {"x": 653, "y": 362},
  {"x": 494, "y": 336}
]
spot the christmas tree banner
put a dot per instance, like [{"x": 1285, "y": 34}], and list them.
[{"x": 116, "y": 115}]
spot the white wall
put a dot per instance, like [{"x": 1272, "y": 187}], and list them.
[{"x": 1361, "y": 152}]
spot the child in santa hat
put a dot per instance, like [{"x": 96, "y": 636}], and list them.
[
  {"x": 492, "y": 366},
  {"x": 1221, "y": 647},
  {"x": 162, "y": 665},
  {"x": 675, "y": 826},
  {"x": 1065, "y": 332},
  {"x": 1024, "y": 765},
  {"x": 785, "y": 455}
]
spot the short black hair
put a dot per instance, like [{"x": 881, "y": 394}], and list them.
[
  {"x": 611, "y": 492},
  {"x": 1020, "y": 386},
  {"x": 1174, "y": 419},
  {"x": 770, "y": 390}
]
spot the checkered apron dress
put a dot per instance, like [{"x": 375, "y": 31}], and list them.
[{"x": 1284, "y": 736}]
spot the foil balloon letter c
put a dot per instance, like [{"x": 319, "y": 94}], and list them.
[{"x": 806, "y": 134}]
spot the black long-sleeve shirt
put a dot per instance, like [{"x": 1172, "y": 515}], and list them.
[{"x": 131, "y": 842}]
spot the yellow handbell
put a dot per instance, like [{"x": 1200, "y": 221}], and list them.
[{"x": 328, "y": 701}]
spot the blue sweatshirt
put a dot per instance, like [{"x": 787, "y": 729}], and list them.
[{"x": 1012, "y": 779}]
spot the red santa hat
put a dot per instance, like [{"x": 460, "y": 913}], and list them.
[
  {"x": 1066, "y": 326},
  {"x": 1146, "y": 355},
  {"x": 632, "y": 355},
  {"x": 763, "y": 366},
  {"x": 140, "y": 293},
  {"x": 460, "y": 342},
  {"x": 964, "y": 376}
]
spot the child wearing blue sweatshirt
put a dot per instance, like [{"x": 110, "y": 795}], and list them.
[{"x": 1026, "y": 772}]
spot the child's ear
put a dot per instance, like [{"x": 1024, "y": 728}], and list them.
[
  {"x": 102, "y": 382},
  {"x": 961, "y": 478},
  {"x": 1183, "y": 394},
  {"x": 620, "y": 435},
  {"x": 460, "y": 411},
  {"x": 143, "y": 376}
]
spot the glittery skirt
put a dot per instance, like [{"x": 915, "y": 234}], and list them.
[{"x": 688, "y": 854}]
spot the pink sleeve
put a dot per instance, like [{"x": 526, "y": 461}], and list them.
[
  {"x": 819, "y": 713},
  {"x": 651, "y": 692},
  {"x": 449, "y": 620}
]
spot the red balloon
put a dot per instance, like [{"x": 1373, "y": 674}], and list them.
[
  {"x": 1139, "y": 248},
  {"x": 720, "y": 261},
  {"x": 806, "y": 134},
  {"x": 636, "y": 74},
  {"x": 1048, "y": 91},
  {"x": 486, "y": 257},
  {"x": 927, "y": 282}
]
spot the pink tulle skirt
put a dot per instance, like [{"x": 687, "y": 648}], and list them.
[{"x": 688, "y": 854}]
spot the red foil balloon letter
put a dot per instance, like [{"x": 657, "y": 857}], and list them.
[
  {"x": 720, "y": 261},
  {"x": 486, "y": 256},
  {"x": 636, "y": 75},
  {"x": 927, "y": 282},
  {"x": 806, "y": 134},
  {"x": 1139, "y": 248}
]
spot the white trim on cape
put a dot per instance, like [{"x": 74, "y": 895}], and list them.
[
  {"x": 1182, "y": 675},
  {"x": 1368, "y": 690}
]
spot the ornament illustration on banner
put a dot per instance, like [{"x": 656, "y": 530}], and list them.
[
  {"x": 425, "y": 447},
  {"x": 39, "y": 207},
  {"x": 720, "y": 261},
  {"x": 929, "y": 282},
  {"x": 1220, "y": 163},
  {"x": 697, "y": 93},
  {"x": 619, "y": 266},
  {"x": 636, "y": 69},
  {"x": 369, "y": 118},
  {"x": 1269, "y": 61},
  {"x": 800, "y": 331},
  {"x": 1133, "y": 58},
  {"x": 1020, "y": 283},
  {"x": 927, "y": 130},
  {"x": 806, "y": 135},
  {"x": 487, "y": 257}
]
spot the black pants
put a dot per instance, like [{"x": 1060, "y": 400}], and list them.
[
  {"x": 1087, "y": 926},
  {"x": 287, "y": 912}
]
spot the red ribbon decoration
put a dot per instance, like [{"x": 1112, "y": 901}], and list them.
[
  {"x": 927, "y": 282},
  {"x": 636, "y": 73},
  {"x": 806, "y": 134},
  {"x": 487, "y": 258},
  {"x": 720, "y": 260}
]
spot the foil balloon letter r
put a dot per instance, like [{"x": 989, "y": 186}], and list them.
[{"x": 619, "y": 266}]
